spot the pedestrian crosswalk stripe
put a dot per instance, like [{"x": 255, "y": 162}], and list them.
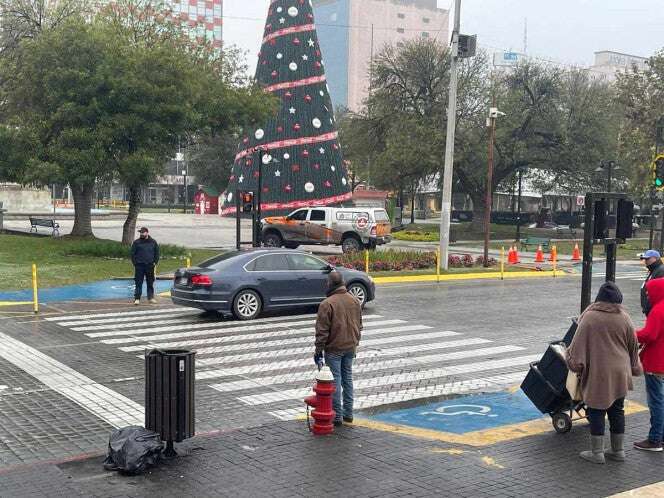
[
  {"x": 115, "y": 327},
  {"x": 271, "y": 335},
  {"x": 391, "y": 379},
  {"x": 172, "y": 309},
  {"x": 203, "y": 328},
  {"x": 131, "y": 321},
  {"x": 419, "y": 392},
  {"x": 303, "y": 351},
  {"x": 358, "y": 368},
  {"x": 308, "y": 339},
  {"x": 307, "y": 336}
]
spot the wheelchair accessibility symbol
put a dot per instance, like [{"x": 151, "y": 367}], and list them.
[{"x": 453, "y": 410}]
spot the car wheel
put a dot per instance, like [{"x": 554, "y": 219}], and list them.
[
  {"x": 272, "y": 240},
  {"x": 291, "y": 245},
  {"x": 247, "y": 305},
  {"x": 351, "y": 244},
  {"x": 359, "y": 292}
]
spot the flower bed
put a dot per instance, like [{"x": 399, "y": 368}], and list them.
[
  {"x": 414, "y": 236},
  {"x": 393, "y": 260}
]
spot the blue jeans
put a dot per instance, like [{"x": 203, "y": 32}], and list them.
[
  {"x": 655, "y": 392},
  {"x": 342, "y": 370}
]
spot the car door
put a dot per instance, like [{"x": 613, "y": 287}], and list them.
[
  {"x": 310, "y": 274},
  {"x": 317, "y": 227},
  {"x": 272, "y": 275},
  {"x": 296, "y": 226}
]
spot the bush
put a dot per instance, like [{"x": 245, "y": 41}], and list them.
[
  {"x": 414, "y": 236},
  {"x": 115, "y": 250},
  {"x": 390, "y": 260}
]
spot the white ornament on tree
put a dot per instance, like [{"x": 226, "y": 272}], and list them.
[
  {"x": 241, "y": 179},
  {"x": 267, "y": 159},
  {"x": 316, "y": 122},
  {"x": 277, "y": 173},
  {"x": 310, "y": 42},
  {"x": 280, "y": 56},
  {"x": 292, "y": 110},
  {"x": 282, "y": 20},
  {"x": 293, "y": 12},
  {"x": 333, "y": 168},
  {"x": 229, "y": 197},
  {"x": 322, "y": 93},
  {"x": 286, "y": 156},
  {"x": 321, "y": 150},
  {"x": 259, "y": 134},
  {"x": 279, "y": 10},
  {"x": 292, "y": 66},
  {"x": 343, "y": 180},
  {"x": 309, "y": 187}
]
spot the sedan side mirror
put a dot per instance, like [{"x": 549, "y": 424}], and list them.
[{"x": 329, "y": 269}]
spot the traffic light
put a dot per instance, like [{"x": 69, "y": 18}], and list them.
[
  {"x": 625, "y": 215},
  {"x": 658, "y": 172},
  {"x": 247, "y": 202},
  {"x": 467, "y": 46}
]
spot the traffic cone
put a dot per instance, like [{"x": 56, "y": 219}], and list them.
[
  {"x": 554, "y": 254},
  {"x": 510, "y": 255},
  {"x": 539, "y": 255},
  {"x": 516, "y": 255},
  {"x": 576, "y": 254}
]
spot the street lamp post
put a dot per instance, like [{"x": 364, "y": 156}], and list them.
[
  {"x": 491, "y": 123},
  {"x": 518, "y": 208}
]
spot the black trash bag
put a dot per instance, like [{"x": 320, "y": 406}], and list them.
[{"x": 133, "y": 449}]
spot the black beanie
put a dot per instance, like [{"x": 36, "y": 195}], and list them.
[{"x": 609, "y": 293}]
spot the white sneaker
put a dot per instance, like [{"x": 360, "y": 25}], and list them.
[
  {"x": 137, "y": 302},
  {"x": 152, "y": 301}
]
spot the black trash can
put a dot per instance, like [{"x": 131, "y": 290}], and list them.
[{"x": 169, "y": 394}]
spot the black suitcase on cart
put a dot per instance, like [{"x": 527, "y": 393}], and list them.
[{"x": 545, "y": 386}]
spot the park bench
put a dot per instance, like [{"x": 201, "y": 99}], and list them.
[
  {"x": 536, "y": 242},
  {"x": 564, "y": 230},
  {"x": 44, "y": 222}
]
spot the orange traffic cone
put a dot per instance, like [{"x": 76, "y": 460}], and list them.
[
  {"x": 510, "y": 255},
  {"x": 516, "y": 255},
  {"x": 539, "y": 255},
  {"x": 576, "y": 254},
  {"x": 554, "y": 254}
]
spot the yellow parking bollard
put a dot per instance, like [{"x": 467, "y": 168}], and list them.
[
  {"x": 438, "y": 265},
  {"x": 366, "y": 261},
  {"x": 502, "y": 263},
  {"x": 188, "y": 263},
  {"x": 35, "y": 298}
]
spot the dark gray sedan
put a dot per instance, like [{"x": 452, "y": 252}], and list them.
[{"x": 245, "y": 283}]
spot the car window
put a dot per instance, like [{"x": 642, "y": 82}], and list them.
[
  {"x": 381, "y": 215},
  {"x": 269, "y": 262},
  {"x": 219, "y": 260},
  {"x": 300, "y": 215},
  {"x": 317, "y": 215},
  {"x": 351, "y": 215},
  {"x": 304, "y": 262}
]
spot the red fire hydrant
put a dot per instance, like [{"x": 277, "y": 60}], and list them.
[{"x": 321, "y": 402}]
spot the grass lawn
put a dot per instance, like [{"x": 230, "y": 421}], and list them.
[{"x": 56, "y": 265}]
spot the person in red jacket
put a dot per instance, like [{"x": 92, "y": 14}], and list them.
[{"x": 651, "y": 337}]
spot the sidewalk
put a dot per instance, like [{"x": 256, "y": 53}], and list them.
[{"x": 283, "y": 459}]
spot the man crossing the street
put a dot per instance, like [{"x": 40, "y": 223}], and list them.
[
  {"x": 338, "y": 332},
  {"x": 144, "y": 256},
  {"x": 653, "y": 262}
]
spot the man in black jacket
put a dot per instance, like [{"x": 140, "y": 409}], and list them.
[
  {"x": 144, "y": 256},
  {"x": 655, "y": 270}
]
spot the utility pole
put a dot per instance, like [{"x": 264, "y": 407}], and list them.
[
  {"x": 518, "y": 208},
  {"x": 446, "y": 206},
  {"x": 493, "y": 114}
]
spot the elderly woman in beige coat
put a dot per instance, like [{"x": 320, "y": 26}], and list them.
[{"x": 604, "y": 353}]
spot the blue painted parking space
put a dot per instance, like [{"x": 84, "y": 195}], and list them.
[
  {"x": 105, "y": 289},
  {"x": 466, "y": 414}
]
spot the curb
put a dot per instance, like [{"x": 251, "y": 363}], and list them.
[{"x": 468, "y": 276}]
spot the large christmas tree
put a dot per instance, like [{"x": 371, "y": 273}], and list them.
[{"x": 306, "y": 167}]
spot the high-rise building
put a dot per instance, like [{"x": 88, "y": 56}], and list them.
[
  {"x": 609, "y": 64},
  {"x": 352, "y": 31},
  {"x": 204, "y": 17}
]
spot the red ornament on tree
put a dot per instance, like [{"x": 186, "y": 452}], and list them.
[
  {"x": 295, "y": 168},
  {"x": 265, "y": 190},
  {"x": 257, "y": 174},
  {"x": 296, "y": 41},
  {"x": 288, "y": 95},
  {"x": 316, "y": 166},
  {"x": 305, "y": 153},
  {"x": 328, "y": 183},
  {"x": 275, "y": 74},
  {"x": 273, "y": 42},
  {"x": 318, "y": 65},
  {"x": 307, "y": 99},
  {"x": 288, "y": 188},
  {"x": 248, "y": 162},
  {"x": 245, "y": 140},
  {"x": 296, "y": 127},
  {"x": 280, "y": 129}
]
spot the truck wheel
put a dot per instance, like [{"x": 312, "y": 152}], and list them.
[
  {"x": 272, "y": 240},
  {"x": 351, "y": 244}
]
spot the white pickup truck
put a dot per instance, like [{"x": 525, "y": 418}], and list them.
[{"x": 354, "y": 228}]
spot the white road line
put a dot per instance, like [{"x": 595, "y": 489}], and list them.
[
  {"x": 305, "y": 338},
  {"x": 461, "y": 387},
  {"x": 136, "y": 321},
  {"x": 308, "y": 341},
  {"x": 393, "y": 379},
  {"x": 220, "y": 360},
  {"x": 308, "y": 375},
  {"x": 204, "y": 328},
  {"x": 295, "y": 363},
  {"x": 306, "y": 333},
  {"x": 123, "y": 313},
  {"x": 112, "y": 407},
  {"x": 145, "y": 323}
]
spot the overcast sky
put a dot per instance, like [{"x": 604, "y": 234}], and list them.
[{"x": 568, "y": 31}]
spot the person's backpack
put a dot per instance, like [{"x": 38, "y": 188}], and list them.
[{"x": 133, "y": 449}]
